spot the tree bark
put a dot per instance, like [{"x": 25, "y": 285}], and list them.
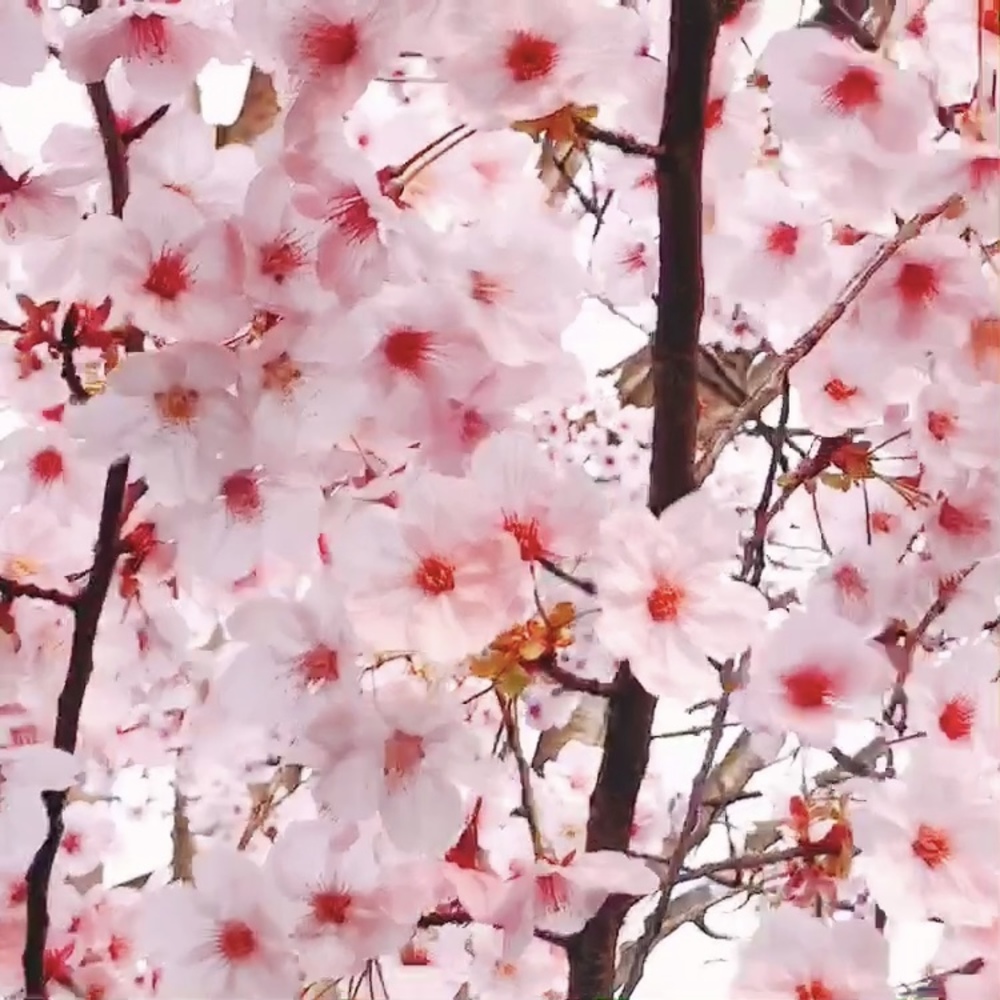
[{"x": 694, "y": 26}]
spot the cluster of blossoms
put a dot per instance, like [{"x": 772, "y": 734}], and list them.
[{"x": 305, "y": 498}]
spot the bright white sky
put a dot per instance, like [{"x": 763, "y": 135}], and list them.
[{"x": 688, "y": 964}]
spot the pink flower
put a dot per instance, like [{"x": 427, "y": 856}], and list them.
[
  {"x": 953, "y": 700},
  {"x": 551, "y": 510},
  {"x": 811, "y": 673},
  {"x": 528, "y": 61},
  {"x": 434, "y": 576},
  {"x": 519, "y": 284},
  {"x": 975, "y": 951},
  {"x": 175, "y": 274},
  {"x": 33, "y": 205},
  {"x": 163, "y": 44},
  {"x": 279, "y": 246},
  {"x": 88, "y": 837},
  {"x": 360, "y": 245},
  {"x": 923, "y": 297},
  {"x": 930, "y": 841},
  {"x": 964, "y": 525},
  {"x": 291, "y": 650},
  {"x": 258, "y": 503},
  {"x": 824, "y": 89},
  {"x": 561, "y": 896},
  {"x": 667, "y": 604},
  {"x": 172, "y": 410},
  {"x": 42, "y": 466},
  {"x": 399, "y": 755},
  {"x": 794, "y": 956},
  {"x": 348, "y": 906},
  {"x": 228, "y": 932},
  {"x": 300, "y": 383},
  {"x": 626, "y": 260},
  {"x": 337, "y": 46}
]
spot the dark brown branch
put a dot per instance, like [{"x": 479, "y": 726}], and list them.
[
  {"x": 12, "y": 589},
  {"x": 137, "y": 131},
  {"x": 86, "y": 613},
  {"x": 680, "y": 302},
  {"x": 617, "y": 140},
  {"x": 587, "y": 586},
  {"x": 569, "y": 681},
  {"x": 114, "y": 146},
  {"x": 67, "y": 345}
]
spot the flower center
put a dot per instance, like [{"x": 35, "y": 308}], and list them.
[
  {"x": 527, "y": 534},
  {"x": 839, "y": 391},
  {"x": 783, "y": 240},
  {"x": 241, "y": 495},
  {"x": 168, "y": 276},
  {"x": 280, "y": 374},
  {"x": 664, "y": 602},
  {"x": 330, "y": 45},
  {"x": 319, "y": 666},
  {"x": 351, "y": 214},
  {"x": 850, "y": 583},
  {"x": 331, "y": 907},
  {"x": 917, "y": 283},
  {"x": 940, "y": 425},
  {"x": 932, "y": 845},
  {"x": 434, "y": 576},
  {"x": 46, "y": 466},
  {"x": 485, "y": 290},
  {"x": 177, "y": 405},
  {"x": 401, "y": 758},
  {"x": 279, "y": 259},
  {"x": 962, "y": 523},
  {"x": 813, "y": 990},
  {"x": 809, "y": 687},
  {"x": 148, "y": 35},
  {"x": 408, "y": 350},
  {"x": 236, "y": 941},
  {"x": 530, "y": 57},
  {"x": 714, "y": 111},
  {"x": 858, "y": 88},
  {"x": 956, "y": 718}
]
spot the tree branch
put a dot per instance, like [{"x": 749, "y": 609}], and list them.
[
  {"x": 680, "y": 302},
  {"x": 114, "y": 146},
  {"x": 86, "y": 613},
  {"x": 528, "y": 805},
  {"x": 769, "y": 390},
  {"x": 12, "y": 589}
]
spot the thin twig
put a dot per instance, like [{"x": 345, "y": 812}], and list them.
[
  {"x": 587, "y": 586},
  {"x": 137, "y": 131},
  {"x": 627, "y": 144},
  {"x": 768, "y": 391},
  {"x": 529, "y": 807},
  {"x": 670, "y": 879},
  {"x": 11, "y": 590}
]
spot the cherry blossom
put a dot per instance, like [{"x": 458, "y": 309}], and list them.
[
  {"x": 230, "y": 931},
  {"x": 811, "y": 673},
  {"x": 341, "y": 651},
  {"x": 793, "y": 955},
  {"x": 922, "y": 854},
  {"x": 667, "y": 605}
]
